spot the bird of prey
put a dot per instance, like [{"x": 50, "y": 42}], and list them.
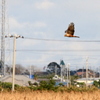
[{"x": 70, "y": 31}]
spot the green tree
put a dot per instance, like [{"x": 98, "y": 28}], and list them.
[{"x": 48, "y": 85}]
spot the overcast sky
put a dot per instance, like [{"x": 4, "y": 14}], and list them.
[{"x": 48, "y": 19}]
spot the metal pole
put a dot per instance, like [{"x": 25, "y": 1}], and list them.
[
  {"x": 67, "y": 75},
  {"x": 30, "y": 70},
  {"x": 55, "y": 70},
  {"x": 61, "y": 73},
  {"x": 3, "y": 38},
  {"x": 86, "y": 72},
  {"x": 94, "y": 74},
  {"x": 99, "y": 72},
  {"x": 14, "y": 59},
  {"x": 82, "y": 71}
]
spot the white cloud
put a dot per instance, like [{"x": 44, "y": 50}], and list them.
[
  {"x": 16, "y": 2},
  {"x": 85, "y": 5},
  {"x": 15, "y": 24},
  {"x": 42, "y": 59},
  {"x": 39, "y": 24},
  {"x": 44, "y": 5},
  {"x": 27, "y": 44}
]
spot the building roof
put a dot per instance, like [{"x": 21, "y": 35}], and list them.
[
  {"x": 80, "y": 73},
  {"x": 53, "y": 64},
  {"x": 62, "y": 62},
  {"x": 21, "y": 80}
]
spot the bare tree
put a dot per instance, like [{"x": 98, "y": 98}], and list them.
[
  {"x": 32, "y": 69},
  {"x": 19, "y": 69},
  {"x": 8, "y": 69}
]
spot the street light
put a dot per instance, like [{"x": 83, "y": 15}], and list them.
[{"x": 15, "y": 36}]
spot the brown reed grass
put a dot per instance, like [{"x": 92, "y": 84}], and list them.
[{"x": 50, "y": 95}]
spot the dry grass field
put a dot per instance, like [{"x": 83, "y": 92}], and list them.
[{"x": 46, "y": 95}]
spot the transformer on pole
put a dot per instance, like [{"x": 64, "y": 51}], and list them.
[{"x": 2, "y": 38}]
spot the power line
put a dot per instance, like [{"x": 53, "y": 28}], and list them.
[
  {"x": 60, "y": 50},
  {"x": 62, "y": 40},
  {"x": 54, "y": 50},
  {"x": 52, "y": 53}
]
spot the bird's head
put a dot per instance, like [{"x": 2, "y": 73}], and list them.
[{"x": 71, "y": 24}]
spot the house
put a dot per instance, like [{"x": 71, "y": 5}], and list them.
[
  {"x": 82, "y": 73},
  {"x": 21, "y": 80},
  {"x": 89, "y": 81},
  {"x": 86, "y": 81},
  {"x": 41, "y": 73}
]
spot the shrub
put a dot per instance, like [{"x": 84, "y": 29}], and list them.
[
  {"x": 47, "y": 85},
  {"x": 8, "y": 85},
  {"x": 61, "y": 84},
  {"x": 29, "y": 82},
  {"x": 96, "y": 83},
  {"x": 43, "y": 84},
  {"x": 36, "y": 84}
]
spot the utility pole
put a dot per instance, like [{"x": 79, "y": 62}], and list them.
[
  {"x": 30, "y": 71},
  {"x": 14, "y": 57},
  {"x": 86, "y": 71},
  {"x": 68, "y": 74},
  {"x": 3, "y": 38},
  {"x": 61, "y": 73},
  {"x": 55, "y": 70},
  {"x": 82, "y": 71},
  {"x": 94, "y": 74},
  {"x": 99, "y": 72}
]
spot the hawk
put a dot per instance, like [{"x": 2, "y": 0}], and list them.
[{"x": 70, "y": 31}]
